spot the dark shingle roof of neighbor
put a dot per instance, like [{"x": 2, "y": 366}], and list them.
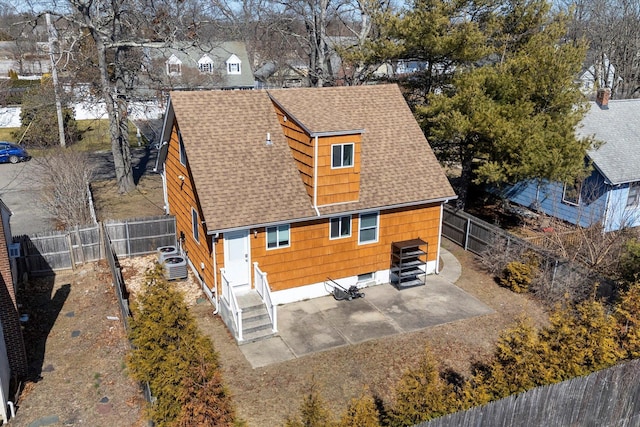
[
  {"x": 618, "y": 159},
  {"x": 243, "y": 182}
]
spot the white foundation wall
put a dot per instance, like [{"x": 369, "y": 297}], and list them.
[{"x": 316, "y": 290}]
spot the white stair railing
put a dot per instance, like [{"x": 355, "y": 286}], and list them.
[
  {"x": 262, "y": 287},
  {"x": 230, "y": 300}
]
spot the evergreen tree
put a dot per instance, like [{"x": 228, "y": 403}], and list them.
[
  {"x": 579, "y": 341},
  {"x": 422, "y": 395},
  {"x": 313, "y": 411},
  {"x": 630, "y": 262},
  {"x": 39, "y": 120},
  {"x": 361, "y": 412},
  {"x": 627, "y": 314},
  {"x": 205, "y": 400},
  {"x": 171, "y": 354},
  {"x": 512, "y": 116}
]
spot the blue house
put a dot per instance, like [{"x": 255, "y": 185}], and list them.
[{"x": 610, "y": 196}]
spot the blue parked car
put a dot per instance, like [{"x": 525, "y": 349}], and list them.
[{"x": 12, "y": 153}]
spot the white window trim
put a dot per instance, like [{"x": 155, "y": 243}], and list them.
[
  {"x": 278, "y": 246},
  {"x": 377, "y": 228},
  {"x": 173, "y": 61},
  {"x": 353, "y": 155},
  {"x": 633, "y": 203},
  {"x": 195, "y": 230},
  {"x": 571, "y": 202},
  {"x": 340, "y": 218}
]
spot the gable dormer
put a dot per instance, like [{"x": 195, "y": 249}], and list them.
[
  {"x": 234, "y": 65},
  {"x": 328, "y": 162},
  {"x": 205, "y": 64},
  {"x": 174, "y": 66}
]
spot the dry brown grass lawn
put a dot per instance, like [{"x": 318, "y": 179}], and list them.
[
  {"x": 146, "y": 200},
  {"x": 266, "y": 396}
]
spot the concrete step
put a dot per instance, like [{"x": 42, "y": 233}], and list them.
[{"x": 256, "y": 336}]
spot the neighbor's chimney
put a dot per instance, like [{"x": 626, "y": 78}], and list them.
[{"x": 602, "y": 98}]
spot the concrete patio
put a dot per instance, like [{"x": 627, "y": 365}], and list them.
[{"x": 323, "y": 323}]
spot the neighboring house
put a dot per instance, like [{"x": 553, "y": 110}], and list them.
[
  {"x": 219, "y": 66},
  {"x": 599, "y": 75},
  {"x": 25, "y": 58},
  {"x": 301, "y": 184},
  {"x": 13, "y": 359},
  {"x": 610, "y": 196}
]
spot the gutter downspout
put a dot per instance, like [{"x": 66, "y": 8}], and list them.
[
  {"x": 214, "y": 240},
  {"x": 440, "y": 237},
  {"x": 315, "y": 175}
]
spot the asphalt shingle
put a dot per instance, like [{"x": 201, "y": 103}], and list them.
[
  {"x": 241, "y": 181},
  {"x": 618, "y": 159}
]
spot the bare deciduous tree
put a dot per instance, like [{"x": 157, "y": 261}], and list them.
[{"x": 65, "y": 176}]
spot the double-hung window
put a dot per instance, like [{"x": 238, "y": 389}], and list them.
[
  {"x": 340, "y": 227},
  {"x": 278, "y": 237},
  {"x": 633, "y": 199},
  {"x": 368, "y": 228},
  {"x": 341, "y": 156},
  {"x": 194, "y": 225}
]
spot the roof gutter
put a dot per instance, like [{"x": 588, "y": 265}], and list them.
[{"x": 320, "y": 216}]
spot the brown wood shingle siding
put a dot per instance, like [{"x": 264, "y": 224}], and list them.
[
  {"x": 182, "y": 197},
  {"x": 338, "y": 185},
  {"x": 312, "y": 256},
  {"x": 301, "y": 145}
]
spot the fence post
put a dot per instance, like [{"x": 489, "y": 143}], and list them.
[
  {"x": 466, "y": 234},
  {"x": 126, "y": 227},
  {"x": 80, "y": 243},
  {"x": 71, "y": 256}
]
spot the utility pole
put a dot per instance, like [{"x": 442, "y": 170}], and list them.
[{"x": 54, "y": 75}]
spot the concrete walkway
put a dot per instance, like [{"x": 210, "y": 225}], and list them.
[{"x": 323, "y": 323}]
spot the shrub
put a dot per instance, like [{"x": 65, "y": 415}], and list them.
[
  {"x": 422, "y": 395},
  {"x": 178, "y": 362},
  {"x": 39, "y": 120},
  {"x": 517, "y": 276},
  {"x": 313, "y": 411},
  {"x": 361, "y": 412}
]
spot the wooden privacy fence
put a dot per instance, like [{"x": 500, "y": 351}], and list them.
[
  {"x": 46, "y": 252},
  {"x": 610, "y": 397},
  {"x": 477, "y": 236}
]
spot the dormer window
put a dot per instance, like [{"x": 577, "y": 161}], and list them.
[
  {"x": 234, "y": 65},
  {"x": 174, "y": 66},
  {"x": 341, "y": 156},
  {"x": 205, "y": 65}
]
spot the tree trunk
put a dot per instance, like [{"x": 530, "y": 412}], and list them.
[{"x": 118, "y": 126}]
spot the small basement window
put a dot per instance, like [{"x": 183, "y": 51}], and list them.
[{"x": 366, "y": 277}]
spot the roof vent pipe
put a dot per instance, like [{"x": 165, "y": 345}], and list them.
[{"x": 268, "y": 141}]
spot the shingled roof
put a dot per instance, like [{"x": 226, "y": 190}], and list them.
[
  {"x": 618, "y": 159},
  {"x": 241, "y": 181},
  {"x": 397, "y": 165}
]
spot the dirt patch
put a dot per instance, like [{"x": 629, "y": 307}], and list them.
[
  {"x": 146, "y": 200},
  {"x": 76, "y": 347},
  {"x": 266, "y": 396},
  {"x": 133, "y": 273}
]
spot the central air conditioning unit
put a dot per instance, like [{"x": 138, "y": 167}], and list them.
[
  {"x": 175, "y": 267},
  {"x": 165, "y": 252}
]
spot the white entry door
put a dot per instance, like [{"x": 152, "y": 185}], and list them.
[{"x": 236, "y": 257}]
